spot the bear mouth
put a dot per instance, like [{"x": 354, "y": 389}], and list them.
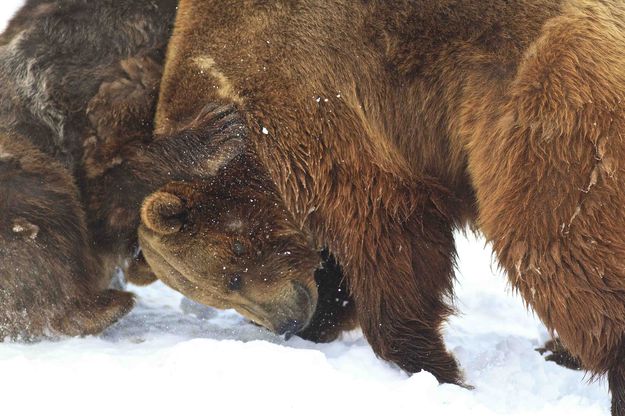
[{"x": 177, "y": 281}]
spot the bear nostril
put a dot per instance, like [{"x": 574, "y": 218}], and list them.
[
  {"x": 289, "y": 328},
  {"x": 235, "y": 282}
]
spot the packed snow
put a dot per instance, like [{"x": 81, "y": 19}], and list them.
[{"x": 173, "y": 357}]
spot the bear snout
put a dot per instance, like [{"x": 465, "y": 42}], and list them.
[{"x": 289, "y": 328}]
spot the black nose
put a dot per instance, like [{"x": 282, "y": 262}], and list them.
[{"x": 290, "y": 328}]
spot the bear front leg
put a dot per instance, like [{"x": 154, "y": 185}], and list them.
[
  {"x": 49, "y": 280},
  {"x": 399, "y": 270}
]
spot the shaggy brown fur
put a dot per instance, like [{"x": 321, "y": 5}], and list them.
[
  {"x": 363, "y": 114},
  {"x": 79, "y": 81}
]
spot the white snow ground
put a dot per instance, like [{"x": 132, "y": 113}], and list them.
[{"x": 162, "y": 361}]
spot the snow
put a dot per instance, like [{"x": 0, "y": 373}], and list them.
[
  {"x": 171, "y": 357},
  {"x": 7, "y": 9}
]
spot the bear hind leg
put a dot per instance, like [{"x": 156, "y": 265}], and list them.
[
  {"x": 616, "y": 382},
  {"x": 548, "y": 166}
]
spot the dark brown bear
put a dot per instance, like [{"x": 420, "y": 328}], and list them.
[
  {"x": 80, "y": 82},
  {"x": 384, "y": 125},
  {"x": 221, "y": 251},
  {"x": 79, "y": 79}
]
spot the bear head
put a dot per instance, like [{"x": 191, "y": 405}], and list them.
[{"x": 230, "y": 243}]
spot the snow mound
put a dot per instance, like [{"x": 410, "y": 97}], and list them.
[{"x": 170, "y": 356}]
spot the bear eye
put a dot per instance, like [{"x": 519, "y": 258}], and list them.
[
  {"x": 235, "y": 282},
  {"x": 238, "y": 248}
]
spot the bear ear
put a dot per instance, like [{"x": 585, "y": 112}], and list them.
[
  {"x": 222, "y": 156},
  {"x": 163, "y": 212}
]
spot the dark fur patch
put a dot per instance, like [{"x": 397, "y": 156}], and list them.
[{"x": 64, "y": 116}]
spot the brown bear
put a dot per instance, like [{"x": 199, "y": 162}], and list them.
[
  {"x": 77, "y": 156},
  {"x": 79, "y": 79},
  {"x": 381, "y": 126},
  {"x": 221, "y": 251}
]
